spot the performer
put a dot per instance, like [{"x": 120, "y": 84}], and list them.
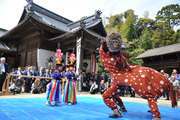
[
  {"x": 28, "y": 81},
  {"x": 146, "y": 82},
  {"x": 54, "y": 88},
  {"x": 3, "y": 71},
  {"x": 70, "y": 86}
]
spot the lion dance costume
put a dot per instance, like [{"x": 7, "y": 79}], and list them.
[{"x": 146, "y": 82}]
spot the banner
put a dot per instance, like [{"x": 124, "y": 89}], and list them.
[
  {"x": 43, "y": 57},
  {"x": 78, "y": 54}
]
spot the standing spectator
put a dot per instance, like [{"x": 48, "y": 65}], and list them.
[
  {"x": 3, "y": 71},
  {"x": 109, "y": 80},
  {"x": 175, "y": 86},
  {"x": 33, "y": 73},
  {"x": 45, "y": 81},
  {"x": 167, "y": 94},
  {"x": 174, "y": 73},
  {"x": 40, "y": 72},
  {"x": 28, "y": 80},
  {"x": 51, "y": 73},
  {"x": 102, "y": 87},
  {"x": 17, "y": 72}
]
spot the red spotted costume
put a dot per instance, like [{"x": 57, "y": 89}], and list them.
[{"x": 146, "y": 82}]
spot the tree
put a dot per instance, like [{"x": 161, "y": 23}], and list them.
[
  {"x": 130, "y": 12},
  {"x": 169, "y": 14},
  {"x": 163, "y": 35},
  {"x": 115, "y": 23},
  {"x": 130, "y": 30},
  {"x": 176, "y": 36},
  {"x": 145, "y": 40},
  {"x": 145, "y": 24}
]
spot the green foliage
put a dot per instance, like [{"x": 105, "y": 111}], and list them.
[
  {"x": 176, "y": 36},
  {"x": 100, "y": 66},
  {"x": 115, "y": 23},
  {"x": 169, "y": 14},
  {"x": 130, "y": 12},
  {"x": 145, "y": 33},
  {"x": 130, "y": 31},
  {"x": 163, "y": 35},
  {"x": 83, "y": 17},
  {"x": 145, "y": 40},
  {"x": 135, "y": 53},
  {"x": 145, "y": 23}
]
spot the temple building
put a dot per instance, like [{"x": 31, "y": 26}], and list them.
[
  {"x": 34, "y": 39},
  {"x": 164, "y": 58}
]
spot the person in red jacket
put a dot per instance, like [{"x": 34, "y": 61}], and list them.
[{"x": 146, "y": 82}]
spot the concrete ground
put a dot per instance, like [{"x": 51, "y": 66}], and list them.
[{"x": 136, "y": 99}]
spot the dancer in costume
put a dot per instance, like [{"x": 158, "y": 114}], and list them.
[
  {"x": 70, "y": 86},
  {"x": 54, "y": 88},
  {"x": 146, "y": 82}
]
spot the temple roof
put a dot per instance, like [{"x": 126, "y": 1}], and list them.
[
  {"x": 174, "y": 48},
  {"x": 43, "y": 19}
]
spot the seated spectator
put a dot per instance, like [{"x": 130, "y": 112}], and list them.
[
  {"x": 36, "y": 87},
  {"x": 94, "y": 88},
  {"x": 102, "y": 87},
  {"x": 105, "y": 78}
]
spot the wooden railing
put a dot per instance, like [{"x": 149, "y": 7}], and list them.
[{"x": 5, "y": 87}]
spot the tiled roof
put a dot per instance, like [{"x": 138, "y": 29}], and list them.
[{"x": 160, "y": 51}]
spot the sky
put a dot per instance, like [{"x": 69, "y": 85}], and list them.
[{"x": 11, "y": 10}]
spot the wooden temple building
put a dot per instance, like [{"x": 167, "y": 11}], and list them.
[
  {"x": 164, "y": 58},
  {"x": 34, "y": 39}
]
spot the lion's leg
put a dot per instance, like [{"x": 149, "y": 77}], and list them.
[
  {"x": 118, "y": 100},
  {"x": 154, "y": 108}
]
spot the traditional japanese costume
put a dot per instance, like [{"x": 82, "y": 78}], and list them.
[
  {"x": 54, "y": 88},
  {"x": 70, "y": 86}
]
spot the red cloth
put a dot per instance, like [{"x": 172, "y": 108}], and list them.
[{"x": 146, "y": 82}]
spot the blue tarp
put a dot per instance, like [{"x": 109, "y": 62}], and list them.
[{"x": 87, "y": 108}]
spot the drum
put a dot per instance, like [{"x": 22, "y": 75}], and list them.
[{"x": 38, "y": 84}]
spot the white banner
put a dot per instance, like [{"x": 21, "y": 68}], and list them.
[
  {"x": 78, "y": 54},
  {"x": 43, "y": 58}
]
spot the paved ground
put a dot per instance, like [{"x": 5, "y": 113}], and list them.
[{"x": 137, "y": 99}]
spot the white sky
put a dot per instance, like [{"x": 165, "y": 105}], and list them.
[{"x": 11, "y": 10}]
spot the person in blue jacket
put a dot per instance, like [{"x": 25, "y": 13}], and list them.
[
  {"x": 28, "y": 80},
  {"x": 46, "y": 81},
  {"x": 40, "y": 72}
]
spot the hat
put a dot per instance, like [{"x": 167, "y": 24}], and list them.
[
  {"x": 114, "y": 42},
  {"x": 72, "y": 59},
  {"x": 58, "y": 56}
]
